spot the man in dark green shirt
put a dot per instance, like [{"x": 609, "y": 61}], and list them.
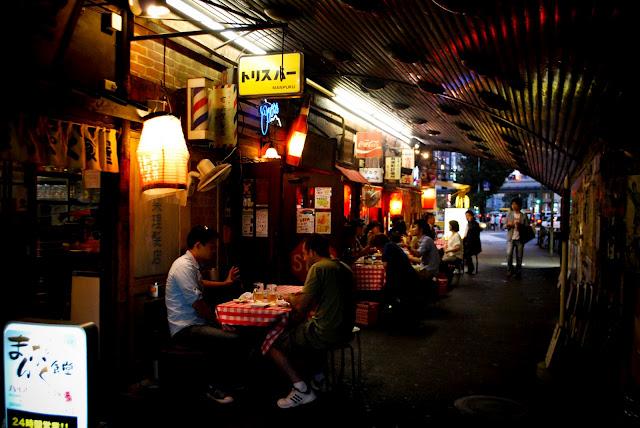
[{"x": 326, "y": 304}]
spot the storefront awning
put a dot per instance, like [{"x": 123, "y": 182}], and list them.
[{"x": 352, "y": 175}]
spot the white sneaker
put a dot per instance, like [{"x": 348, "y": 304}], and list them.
[{"x": 296, "y": 398}]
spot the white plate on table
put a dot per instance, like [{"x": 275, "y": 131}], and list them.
[{"x": 259, "y": 304}]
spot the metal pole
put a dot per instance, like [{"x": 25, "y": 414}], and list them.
[
  {"x": 564, "y": 258},
  {"x": 551, "y": 237}
]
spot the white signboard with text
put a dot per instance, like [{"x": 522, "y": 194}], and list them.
[
  {"x": 373, "y": 175},
  {"x": 47, "y": 371}
]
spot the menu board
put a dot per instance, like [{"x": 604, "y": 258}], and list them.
[
  {"x": 323, "y": 198},
  {"x": 393, "y": 168},
  {"x": 305, "y": 220},
  {"x": 323, "y": 222}
]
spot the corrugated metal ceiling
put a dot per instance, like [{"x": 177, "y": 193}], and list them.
[{"x": 531, "y": 83}]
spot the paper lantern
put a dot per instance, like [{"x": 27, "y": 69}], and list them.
[
  {"x": 428, "y": 198},
  {"x": 297, "y": 136},
  {"x": 395, "y": 204},
  {"x": 162, "y": 155}
]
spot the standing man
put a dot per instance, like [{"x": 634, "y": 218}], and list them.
[
  {"x": 191, "y": 320},
  {"x": 328, "y": 294},
  {"x": 471, "y": 242},
  {"x": 516, "y": 220}
]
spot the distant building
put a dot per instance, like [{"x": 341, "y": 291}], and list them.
[{"x": 535, "y": 196}]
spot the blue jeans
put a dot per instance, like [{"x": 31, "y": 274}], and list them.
[
  {"x": 223, "y": 351},
  {"x": 517, "y": 246}
]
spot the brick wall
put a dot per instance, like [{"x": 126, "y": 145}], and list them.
[{"x": 147, "y": 63}]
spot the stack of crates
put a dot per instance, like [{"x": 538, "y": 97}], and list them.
[
  {"x": 367, "y": 313},
  {"x": 442, "y": 284}
]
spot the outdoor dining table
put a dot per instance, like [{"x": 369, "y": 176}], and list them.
[
  {"x": 247, "y": 314},
  {"x": 369, "y": 277}
]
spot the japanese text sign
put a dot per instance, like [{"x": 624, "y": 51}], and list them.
[
  {"x": 393, "y": 168},
  {"x": 270, "y": 75},
  {"x": 47, "y": 371}
]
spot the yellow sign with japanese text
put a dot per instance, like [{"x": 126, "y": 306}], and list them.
[{"x": 274, "y": 75}]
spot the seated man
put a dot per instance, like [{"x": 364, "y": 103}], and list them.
[
  {"x": 400, "y": 290},
  {"x": 191, "y": 320},
  {"x": 328, "y": 292},
  {"x": 427, "y": 254}
]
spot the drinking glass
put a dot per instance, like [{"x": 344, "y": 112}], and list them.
[
  {"x": 258, "y": 292},
  {"x": 271, "y": 293}
]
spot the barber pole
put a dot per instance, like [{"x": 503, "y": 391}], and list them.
[{"x": 200, "y": 109}]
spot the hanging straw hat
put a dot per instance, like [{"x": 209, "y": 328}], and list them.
[{"x": 211, "y": 175}]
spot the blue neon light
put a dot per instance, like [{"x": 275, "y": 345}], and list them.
[{"x": 268, "y": 113}]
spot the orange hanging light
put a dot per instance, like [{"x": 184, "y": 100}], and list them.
[
  {"x": 162, "y": 155},
  {"x": 395, "y": 204},
  {"x": 428, "y": 198},
  {"x": 298, "y": 135}
]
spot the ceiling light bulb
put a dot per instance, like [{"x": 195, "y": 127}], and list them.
[
  {"x": 425, "y": 155},
  {"x": 157, "y": 11}
]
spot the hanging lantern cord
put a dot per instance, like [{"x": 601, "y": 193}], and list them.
[{"x": 163, "y": 84}]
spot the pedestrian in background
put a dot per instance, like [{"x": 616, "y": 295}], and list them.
[
  {"x": 471, "y": 242},
  {"x": 516, "y": 221}
]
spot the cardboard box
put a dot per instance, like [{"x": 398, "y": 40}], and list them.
[{"x": 367, "y": 313}]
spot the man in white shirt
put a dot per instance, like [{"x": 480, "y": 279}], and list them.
[{"x": 191, "y": 320}]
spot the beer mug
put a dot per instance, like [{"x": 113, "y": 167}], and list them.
[
  {"x": 258, "y": 292},
  {"x": 271, "y": 293}
]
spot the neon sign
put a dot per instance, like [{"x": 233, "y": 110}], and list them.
[{"x": 268, "y": 113}]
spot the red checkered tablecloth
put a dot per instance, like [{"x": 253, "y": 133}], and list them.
[
  {"x": 289, "y": 289},
  {"x": 369, "y": 277},
  {"x": 275, "y": 318}
]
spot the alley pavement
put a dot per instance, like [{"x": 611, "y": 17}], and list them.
[{"x": 475, "y": 359}]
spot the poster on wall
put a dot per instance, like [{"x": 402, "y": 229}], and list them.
[
  {"x": 408, "y": 158},
  {"x": 632, "y": 221},
  {"x": 323, "y": 222},
  {"x": 247, "y": 223},
  {"x": 248, "y": 187},
  {"x": 368, "y": 145},
  {"x": 305, "y": 220},
  {"x": 262, "y": 223},
  {"x": 323, "y": 198}
]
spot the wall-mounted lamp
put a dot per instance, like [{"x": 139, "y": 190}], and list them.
[
  {"x": 298, "y": 135},
  {"x": 271, "y": 153}
]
